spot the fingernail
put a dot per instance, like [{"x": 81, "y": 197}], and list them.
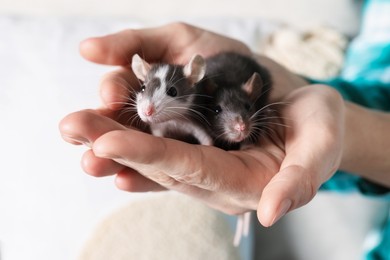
[
  {"x": 78, "y": 140},
  {"x": 282, "y": 210},
  {"x": 101, "y": 151}
]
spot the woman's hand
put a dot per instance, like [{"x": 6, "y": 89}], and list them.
[
  {"x": 279, "y": 175},
  {"x": 273, "y": 178}
]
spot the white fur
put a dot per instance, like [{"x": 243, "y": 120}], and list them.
[
  {"x": 160, "y": 94},
  {"x": 184, "y": 126}
]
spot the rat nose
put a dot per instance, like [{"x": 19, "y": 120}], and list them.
[
  {"x": 149, "y": 110},
  {"x": 240, "y": 127}
]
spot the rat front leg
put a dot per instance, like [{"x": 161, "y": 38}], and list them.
[
  {"x": 157, "y": 130},
  {"x": 205, "y": 140},
  {"x": 189, "y": 128},
  {"x": 202, "y": 136}
]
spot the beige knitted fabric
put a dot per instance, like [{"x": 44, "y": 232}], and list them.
[
  {"x": 317, "y": 53},
  {"x": 165, "y": 226}
]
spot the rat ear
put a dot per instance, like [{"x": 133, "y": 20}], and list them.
[
  {"x": 253, "y": 86},
  {"x": 195, "y": 69},
  {"x": 140, "y": 67}
]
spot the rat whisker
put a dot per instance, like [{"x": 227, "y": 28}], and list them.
[
  {"x": 126, "y": 111},
  {"x": 173, "y": 110},
  {"x": 278, "y": 124},
  {"x": 135, "y": 118},
  {"x": 173, "y": 74},
  {"x": 193, "y": 112},
  {"x": 268, "y": 106}
]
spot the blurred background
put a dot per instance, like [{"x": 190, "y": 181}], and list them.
[
  {"x": 342, "y": 14},
  {"x": 50, "y": 209}
]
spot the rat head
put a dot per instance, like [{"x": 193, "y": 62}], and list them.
[
  {"x": 235, "y": 109},
  {"x": 168, "y": 90}
]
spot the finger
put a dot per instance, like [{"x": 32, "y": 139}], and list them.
[
  {"x": 136, "y": 149},
  {"x": 204, "y": 172},
  {"x": 131, "y": 181},
  {"x": 85, "y": 126},
  {"x": 283, "y": 193},
  {"x": 181, "y": 162},
  {"x": 99, "y": 167},
  {"x": 155, "y": 158},
  {"x": 117, "y": 49},
  {"x": 126, "y": 179}
]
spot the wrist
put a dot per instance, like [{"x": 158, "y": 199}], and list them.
[{"x": 366, "y": 146}]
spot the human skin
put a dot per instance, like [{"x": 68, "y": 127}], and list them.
[{"x": 274, "y": 177}]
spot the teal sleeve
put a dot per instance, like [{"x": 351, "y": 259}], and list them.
[{"x": 371, "y": 95}]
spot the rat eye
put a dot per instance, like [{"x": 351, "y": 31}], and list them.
[
  {"x": 172, "y": 92},
  {"x": 143, "y": 88},
  {"x": 247, "y": 106},
  {"x": 217, "y": 109}
]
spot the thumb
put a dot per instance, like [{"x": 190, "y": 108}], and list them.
[
  {"x": 291, "y": 188},
  {"x": 313, "y": 152}
]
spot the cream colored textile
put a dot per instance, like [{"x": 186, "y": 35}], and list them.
[
  {"x": 165, "y": 226},
  {"x": 317, "y": 53}
]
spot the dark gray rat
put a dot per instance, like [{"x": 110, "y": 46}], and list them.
[{"x": 238, "y": 110}]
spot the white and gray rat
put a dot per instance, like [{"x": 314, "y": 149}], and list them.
[{"x": 171, "y": 100}]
